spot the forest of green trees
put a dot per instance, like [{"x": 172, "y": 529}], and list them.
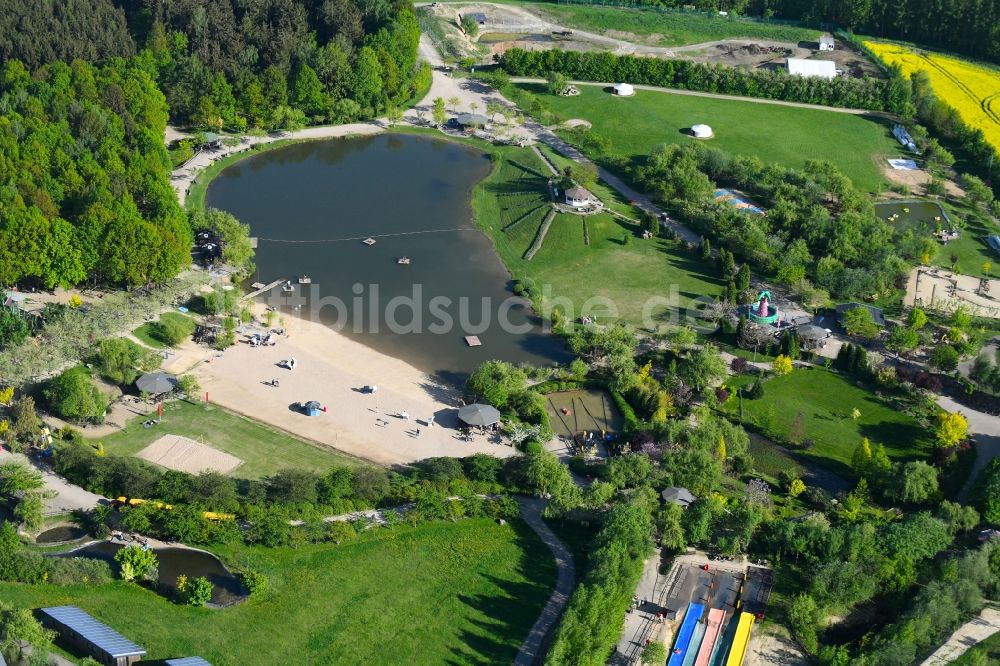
[
  {"x": 85, "y": 177},
  {"x": 964, "y": 26},
  {"x": 234, "y": 63},
  {"x": 87, "y": 89}
]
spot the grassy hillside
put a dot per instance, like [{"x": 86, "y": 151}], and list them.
[
  {"x": 776, "y": 134},
  {"x": 439, "y": 593}
]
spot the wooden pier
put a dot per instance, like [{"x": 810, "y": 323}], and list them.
[{"x": 268, "y": 287}]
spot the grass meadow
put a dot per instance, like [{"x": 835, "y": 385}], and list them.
[
  {"x": 438, "y": 593},
  {"x": 826, "y": 400},
  {"x": 673, "y": 28},
  {"x": 264, "y": 450},
  {"x": 586, "y": 258},
  {"x": 776, "y": 134}
]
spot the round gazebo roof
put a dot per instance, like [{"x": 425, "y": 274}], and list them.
[{"x": 479, "y": 415}]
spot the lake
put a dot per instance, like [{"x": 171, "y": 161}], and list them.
[
  {"x": 312, "y": 204},
  {"x": 921, "y": 216}
]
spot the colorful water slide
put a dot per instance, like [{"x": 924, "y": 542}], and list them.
[
  {"x": 741, "y": 641},
  {"x": 696, "y": 639},
  {"x": 713, "y": 629},
  {"x": 694, "y": 613}
]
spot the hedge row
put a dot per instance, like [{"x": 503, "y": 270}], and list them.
[{"x": 864, "y": 93}]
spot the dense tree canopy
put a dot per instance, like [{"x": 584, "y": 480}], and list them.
[{"x": 84, "y": 185}]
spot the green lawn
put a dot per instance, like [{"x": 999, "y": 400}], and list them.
[
  {"x": 439, "y": 593},
  {"x": 145, "y": 332},
  {"x": 511, "y": 205},
  {"x": 669, "y": 28},
  {"x": 826, "y": 400},
  {"x": 263, "y": 449},
  {"x": 970, "y": 247},
  {"x": 776, "y": 134}
]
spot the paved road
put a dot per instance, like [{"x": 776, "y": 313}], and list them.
[
  {"x": 65, "y": 496},
  {"x": 985, "y": 430},
  {"x": 531, "y": 511},
  {"x": 969, "y": 634}
]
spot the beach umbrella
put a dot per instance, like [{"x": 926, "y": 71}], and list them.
[
  {"x": 312, "y": 408},
  {"x": 678, "y": 496},
  {"x": 156, "y": 383},
  {"x": 479, "y": 414}
]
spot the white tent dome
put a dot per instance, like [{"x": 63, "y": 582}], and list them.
[
  {"x": 701, "y": 131},
  {"x": 624, "y": 89}
]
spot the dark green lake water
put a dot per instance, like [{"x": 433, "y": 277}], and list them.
[{"x": 343, "y": 190}]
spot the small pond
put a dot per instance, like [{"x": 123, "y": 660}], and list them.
[
  {"x": 176, "y": 561},
  {"x": 61, "y": 533},
  {"x": 916, "y": 215},
  {"x": 497, "y": 37},
  {"x": 312, "y": 204}
]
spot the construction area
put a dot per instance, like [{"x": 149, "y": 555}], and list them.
[{"x": 502, "y": 27}]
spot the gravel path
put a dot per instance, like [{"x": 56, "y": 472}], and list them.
[
  {"x": 66, "y": 497},
  {"x": 969, "y": 634},
  {"x": 985, "y": 430},
  {"x": 531, "y": 511}
]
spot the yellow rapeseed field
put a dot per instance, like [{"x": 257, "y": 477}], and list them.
[{"x": 972, "y": 90}]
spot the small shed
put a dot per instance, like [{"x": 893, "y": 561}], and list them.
[
  {"x": 579, "y": 197},
  {"x": 701, "y": 131},
  {"x": 186, "y": 661},
  {"x": 823, "y": 69},
  {"x": 826, "y": 43},
  {"x": 624, "y": 89},
  {"x": 682, "y": 497},
  {"x": 812, "y": 336},
  {"x": 877, "y": 315},
  {"x": 98, "y": 640}
]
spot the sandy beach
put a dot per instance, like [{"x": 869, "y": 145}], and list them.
[{"x": 332, "y": 369}]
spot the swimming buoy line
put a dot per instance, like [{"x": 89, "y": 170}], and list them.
[{"x": 357, "y": 238}]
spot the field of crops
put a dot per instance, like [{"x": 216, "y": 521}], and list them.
[{"x": 973, "y": 90}]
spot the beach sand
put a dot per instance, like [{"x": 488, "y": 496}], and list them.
[{"x": 331, "y": 368}]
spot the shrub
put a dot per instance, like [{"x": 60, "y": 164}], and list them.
[
  {"x": 739, "y": 365},
  {"x": 194, "y": 591},
  {"x": 74, "y": 395},
  {"x": 756, "y": 391},
  {"x": 782, "y": 365},
  {"x": 172, "y": 330},
  {"x": 136, "y": 562},
  {"x": 254, "y": 581},
  {"x": 74, "y": 570}
]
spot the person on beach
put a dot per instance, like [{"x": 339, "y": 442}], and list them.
[
  {"x": 430, "y": 421},
  {"x": 418, "y": 433}
]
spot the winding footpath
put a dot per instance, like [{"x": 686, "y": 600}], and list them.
[{"x": 531, "y": 648}]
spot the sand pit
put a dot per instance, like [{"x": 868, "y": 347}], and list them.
[
  {"x": 940, "y": 289},
  {"x": 186, "y": 455}
]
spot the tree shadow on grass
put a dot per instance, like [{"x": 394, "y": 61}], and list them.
[{"x": 512, "y": 609}]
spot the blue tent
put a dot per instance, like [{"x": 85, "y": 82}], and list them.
[{"x": 312, "y": 408}]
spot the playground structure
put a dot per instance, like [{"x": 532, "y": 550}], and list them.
[
  {"x": 120, "y": 502},
  {"x": 587, "y": 417},
  {"x": 717, "y": 608},
  {"x": 762, "y": 312}
]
